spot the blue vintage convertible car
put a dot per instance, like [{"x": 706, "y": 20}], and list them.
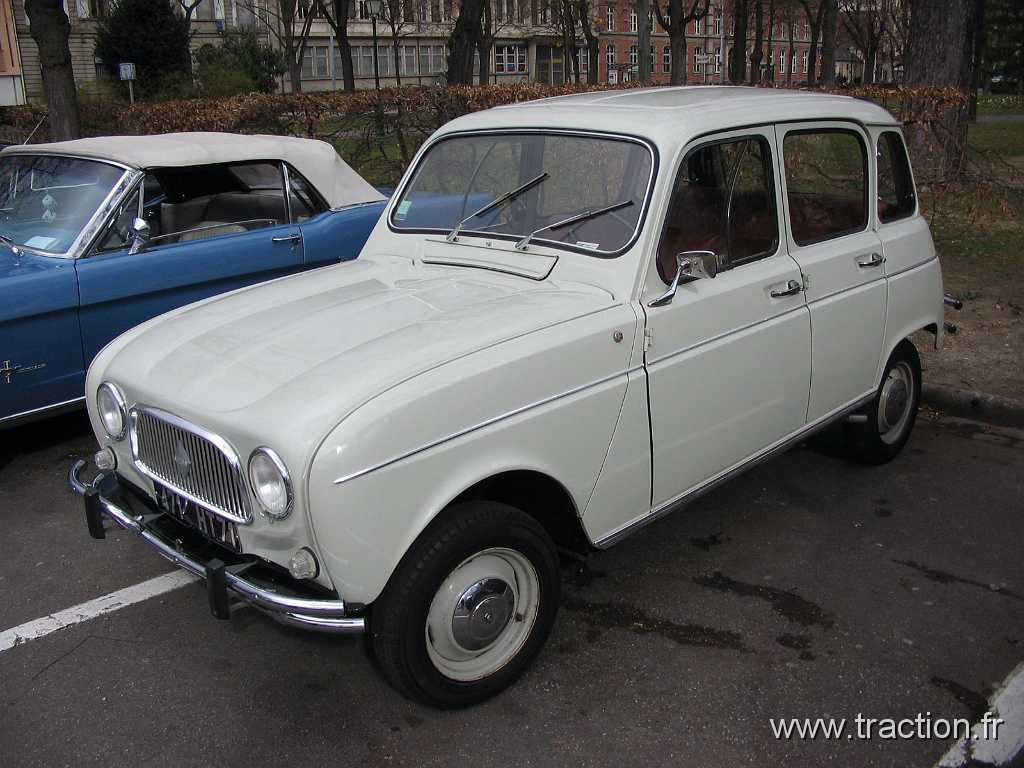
[{"x": 98, "y": 235}]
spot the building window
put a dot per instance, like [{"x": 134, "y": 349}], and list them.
[
  {"x": 666, "y": 59},
  {"x": 609, "y": 17},
  {"x": 510, "y": 58},
  {"x": 314, "y": 63},
  {"x": 505, "y": 10},
  {"x": 718, "y": 61},
  {"x": 633, "y": 60},
  {"x": 609, "y": 56},
  {"x": 782, "y": 61},
  {"x": 718, "y": 24},
  {"x": 583, "y": 59},
  {"x": 805, "y": 62},
  {"x": 432, "y": 59},
  {"x": 632, "y": 20},
  {"x": 697, "y": 67}
]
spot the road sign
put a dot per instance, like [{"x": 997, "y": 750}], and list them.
[
  {"x": 127, "y": 70},
  {"x": 704, "y": 58}
]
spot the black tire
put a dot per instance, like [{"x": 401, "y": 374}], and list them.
[
  {"x": 398, "y": 621},
  {"x": 869, "y": 440}
]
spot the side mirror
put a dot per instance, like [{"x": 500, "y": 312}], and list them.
[
  {"x": 140, "y": 228},
  {"x": 690, "y": 265}
]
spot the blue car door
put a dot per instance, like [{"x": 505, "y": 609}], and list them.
[
  {"x": 40, "y": 352},
  {"x": 212, "y": 229}
]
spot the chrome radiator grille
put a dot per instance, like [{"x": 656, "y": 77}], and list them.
[{"x": 194, "y": 463}]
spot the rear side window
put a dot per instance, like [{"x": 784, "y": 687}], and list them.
[
  {"x": 896, "y": 198},
  {"x": 826, "y": 184},
  {"x": 723, "y": 201}
]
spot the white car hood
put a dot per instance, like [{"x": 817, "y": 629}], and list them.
[{"x": 311, "y": 348}]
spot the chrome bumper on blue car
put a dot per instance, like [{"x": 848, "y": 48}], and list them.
[{"x": 323, "y": 615}]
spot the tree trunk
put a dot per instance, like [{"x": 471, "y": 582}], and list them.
[
  {"x": 980, "y": 43},
  {"x": 738, "y": 60},
  {"x": 789, "y": 53},
  {"x": 348, "y": 74},
  {"x": 757, "y": 54},
  {"x": 643, "y": 40},
  {"x": 50, "y": 29},
  {"x": 812, "y": 52},
  {"x": 870, "y": 60},
  {"x": 593, "y": 49},
  {"x": 829, "y": 32},
  {"x": 397, "y": 55},
  {"x": 677, "y": 46},
  {"x": 939, "y": 52},
  {"x": 462, "y": 42},
  {"x": 295, "y": 74}
]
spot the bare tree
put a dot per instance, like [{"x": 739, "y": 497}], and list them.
[
  {"x": 867, "y": 23},
  {"x": 815, "y": 12},
  {"x": 280, "y": 19},
  {"x": 50, "y": 28},
  {"x": 397, "y": 15},
  {"x": 680, "y": 13},
  {"x": 188, "y": 7},
  {"x": 336, "y": 13},
  {"x": 584, "y": 9}
]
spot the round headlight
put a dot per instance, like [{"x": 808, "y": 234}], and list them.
[
  {"x": 270, "y": 483},
  {"x": 112, "y": 411}
]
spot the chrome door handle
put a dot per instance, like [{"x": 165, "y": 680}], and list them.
[
  {"x": 874, "y": 260},
  {"x": 791, "y": 288},
  {"x": 295, "y": 237}
]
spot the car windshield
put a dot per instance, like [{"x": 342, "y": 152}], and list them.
[
  {"x": 601, "y": 182},
  {"x": 46, "y": 200}
]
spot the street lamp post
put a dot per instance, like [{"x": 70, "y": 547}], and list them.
[{"x": 374, "y": 8}]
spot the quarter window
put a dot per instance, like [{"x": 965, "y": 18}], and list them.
[
  {"x": 723, "y": 201},
  {"x": 826, "y": 184},
  {"x": 896, "y": 198}
]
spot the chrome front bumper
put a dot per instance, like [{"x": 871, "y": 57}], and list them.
[{"x": 323, "y": 615}]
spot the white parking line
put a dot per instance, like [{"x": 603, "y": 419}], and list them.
[
  {"x": 93, "y": 608},
  {"x": 981, "y": 748}
]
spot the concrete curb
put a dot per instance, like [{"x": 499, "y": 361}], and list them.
[{"x": 970, "y": 404}]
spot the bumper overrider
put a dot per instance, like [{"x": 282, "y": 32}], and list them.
[{"x": 227, "y": 576}]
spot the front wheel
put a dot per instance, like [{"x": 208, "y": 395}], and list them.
[
  {"x": 469, "y": 607},
  {"x": 889, "y": 418}
]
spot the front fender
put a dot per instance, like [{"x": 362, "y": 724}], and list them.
[{"x": 545, "y": 404}]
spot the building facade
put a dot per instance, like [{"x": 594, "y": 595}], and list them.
[{"x": 527, "y": 43}]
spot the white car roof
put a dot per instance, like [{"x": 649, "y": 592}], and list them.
[
  {"x": 673, "y": 116},
  {"x": 315, "y": 160}
]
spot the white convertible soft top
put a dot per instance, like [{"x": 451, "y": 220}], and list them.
[{"x": 316, "y": 160}]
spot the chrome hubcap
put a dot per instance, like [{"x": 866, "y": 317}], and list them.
[
  {"x": 894, "y": 405},
  {"x": 482, "y": 614}
]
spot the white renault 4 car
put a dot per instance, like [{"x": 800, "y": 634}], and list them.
[{"x": 575, "y": 316}]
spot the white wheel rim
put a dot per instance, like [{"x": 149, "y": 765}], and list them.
[
  {"x": 895, "y": 403},
  {"x": 482, "y": 614}
]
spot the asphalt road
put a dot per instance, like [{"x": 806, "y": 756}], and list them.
[{"x": 809, "y": 587}]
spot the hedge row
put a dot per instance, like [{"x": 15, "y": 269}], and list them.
[{"x": 377, "y": 132}]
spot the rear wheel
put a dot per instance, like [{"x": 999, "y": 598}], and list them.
[
  {"x": 469, "y": 607},
  {"x": 889, "y": 417}
]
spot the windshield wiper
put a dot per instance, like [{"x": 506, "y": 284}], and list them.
[
  {"x": 508, "y": 197},
  {"x": 575, "y": 219}
]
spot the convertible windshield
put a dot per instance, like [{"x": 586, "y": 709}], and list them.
[
  {"x": 46, "y": 200},
  {"x": 574, "y": 179}
]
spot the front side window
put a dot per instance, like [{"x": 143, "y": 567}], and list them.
[
  {"x": 119, "y": 233},
  {"x": 46, "y": 200},
  {"x": 896, "y": 199},
  {"x": 723, "y": 201},
  {"x": 461, "y": 175},
  {"x": 826, "y": 184},
  {"x": 303, "y": 200}
]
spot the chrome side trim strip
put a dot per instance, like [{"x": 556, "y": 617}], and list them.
[
  {"x": 72, "y": 403},
  {"x": 309, "y": 613},
  {"x": 710, "y": 484},
  {"x": 912, "y": 267},
  {"x": 483, "y": 424}
]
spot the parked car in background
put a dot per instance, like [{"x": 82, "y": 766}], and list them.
[
  {"x": 576, "y": 316},
  {"x": 99, "y": 235}
]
